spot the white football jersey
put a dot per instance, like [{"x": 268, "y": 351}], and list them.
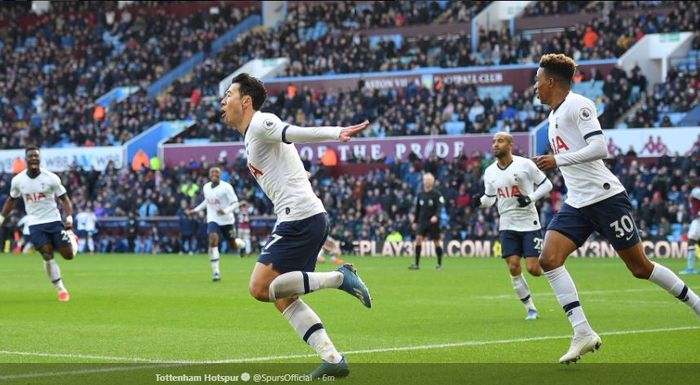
[
  {"x": 220, "y": 197},
  {"x": 276, "y": 165},
  {"x": 520, "y": 177},
  {"x": 574, "y": 121},
  {"x": 86, "y": 221},
  {"x": 39, "y": 195}
]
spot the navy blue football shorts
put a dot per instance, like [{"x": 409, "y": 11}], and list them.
[
  {"x": 612, "y": 218},
  {"x": 522, "y": 243},
  {"x": 294, "y": 245},
  {"x": 53, "y": 232}
]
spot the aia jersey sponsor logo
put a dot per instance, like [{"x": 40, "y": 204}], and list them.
[
  {"x": 558, "y": 144},
  {"x": 255, "y": 171},
  {"x": 34, "y": 197},
  {"x": 506, "y": 192}
]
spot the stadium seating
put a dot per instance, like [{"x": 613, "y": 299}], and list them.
[
  {"x": 55, "y": 68},
  {"x": 119, "y": 49},
  {"x": 670, "y": 103}
]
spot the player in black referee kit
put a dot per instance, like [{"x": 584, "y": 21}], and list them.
[{"x": 427, "y": 221}]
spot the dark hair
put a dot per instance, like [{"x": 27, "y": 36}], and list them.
[
  {"x": 560, "y": 66},
  {"x": 30, "y": 148},
  {"x": 253, "y": 87}
]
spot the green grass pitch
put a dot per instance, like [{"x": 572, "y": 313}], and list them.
[{"x": 164, "y": 310}]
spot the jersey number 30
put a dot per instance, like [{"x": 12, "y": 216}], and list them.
[{"x": 622, "y": 226}]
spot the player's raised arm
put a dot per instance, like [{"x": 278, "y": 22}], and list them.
[
  {"x": 348, "y": 132},
  {"x": 273, "y": 129},
  {"x": 296, "y": 134}
]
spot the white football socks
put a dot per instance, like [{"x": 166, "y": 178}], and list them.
[
  {"x": 90, "y": 244},
  {"x": 309, "y": 327},
  {"x": 565, "y": 290},
  {"x": 54, "y": 273},
  {"x": 523, "y": 291},
  {"x": 214, "y": 259},
  {"x": 665, "y": 278},
  {"x": 288, "y": 285},
  {"x": 691, "y": 257}
]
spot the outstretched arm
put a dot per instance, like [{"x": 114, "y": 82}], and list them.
[
  {"x": 274, "y": 130},
  {"x": 296, "y": 134}
]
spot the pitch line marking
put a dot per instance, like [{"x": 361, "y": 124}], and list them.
[
  {"x": 83, "y": 356},
  {"x": 584, "y": 292},
  {"x": 169, "y": 363}
]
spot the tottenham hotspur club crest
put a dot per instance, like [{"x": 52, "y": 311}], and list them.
[{"x": 268, "y": 123}]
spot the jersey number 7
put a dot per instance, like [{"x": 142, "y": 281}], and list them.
[{"x": 275, "y": 238}]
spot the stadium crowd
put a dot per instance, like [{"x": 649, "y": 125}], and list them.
[
  {"x": 419, "y": 110},
  {"x": 413, "y": 110},
  {"x": 55, "y": 69},
  {"x": 370, "y": 206},
  {"x": 343, "y": 50},
  {"x": 678, "y": 94}
]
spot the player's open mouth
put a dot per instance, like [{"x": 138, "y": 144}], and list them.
[{"x": 223, "y": 114}]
